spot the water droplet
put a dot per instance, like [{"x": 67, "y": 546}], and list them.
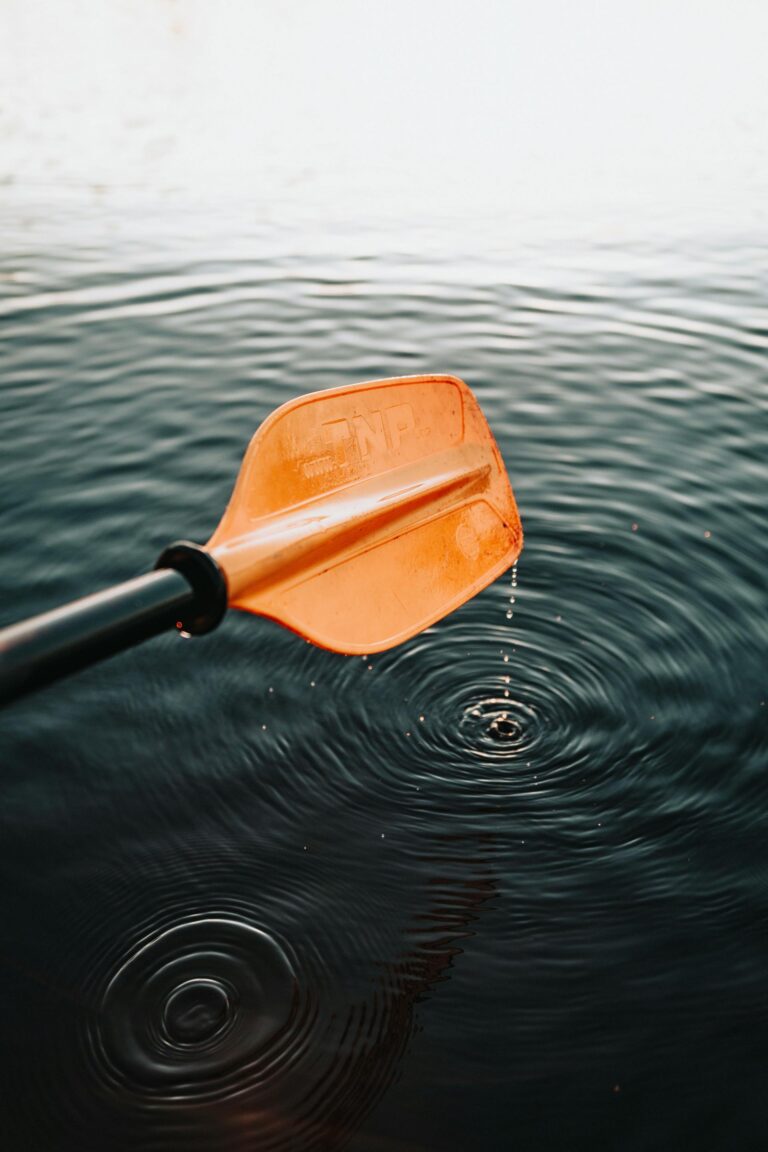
[{"x": 505, "y": 727}]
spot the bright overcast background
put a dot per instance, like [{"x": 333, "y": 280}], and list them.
[{"x": 411, "y": 106}]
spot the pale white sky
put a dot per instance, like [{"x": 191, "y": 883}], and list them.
[{"x": 408, "y": 102}]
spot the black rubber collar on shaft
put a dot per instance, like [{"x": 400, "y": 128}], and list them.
[{"x": 208, "y": 583}]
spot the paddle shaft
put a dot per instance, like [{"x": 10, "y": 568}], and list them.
[
  {"x": 186, "y": 591},
  {"x": 47, "y": 647}
]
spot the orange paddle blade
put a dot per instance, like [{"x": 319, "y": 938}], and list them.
[{"x": 363, "y": 514}]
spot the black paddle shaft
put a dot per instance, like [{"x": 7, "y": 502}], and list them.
[{"x": 187, "y": 591}]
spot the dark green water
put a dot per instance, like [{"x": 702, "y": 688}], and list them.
[
  {"x": 257, "y": 895},
  {"x": 505, "y": 887}
]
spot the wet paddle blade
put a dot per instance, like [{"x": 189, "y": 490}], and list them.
[{"x": 363, "y": 514}]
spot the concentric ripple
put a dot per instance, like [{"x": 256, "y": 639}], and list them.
[
  {"x": 497, "y": 727},
  {"x": 197, "y": 1011},
  {"x": 588, "y": 686},
  {"x": 196, "y": 1002}
]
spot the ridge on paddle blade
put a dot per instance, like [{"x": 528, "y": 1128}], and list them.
[{"x": 363, "y": 514}]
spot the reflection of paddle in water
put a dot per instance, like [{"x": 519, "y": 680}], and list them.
[
  {"x": 364, "y": 1069},
  {"x": 377, "y": 1032}
]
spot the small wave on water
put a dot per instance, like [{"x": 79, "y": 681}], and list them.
[{"x": 196, "y": 1002}]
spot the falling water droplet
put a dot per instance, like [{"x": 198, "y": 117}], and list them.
[{"x": 513, "y": 586}]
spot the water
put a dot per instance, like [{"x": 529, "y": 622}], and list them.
[{"x": 504, "y": 886}]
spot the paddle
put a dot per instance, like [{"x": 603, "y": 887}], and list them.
[{"x": 360, "y": 516}]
